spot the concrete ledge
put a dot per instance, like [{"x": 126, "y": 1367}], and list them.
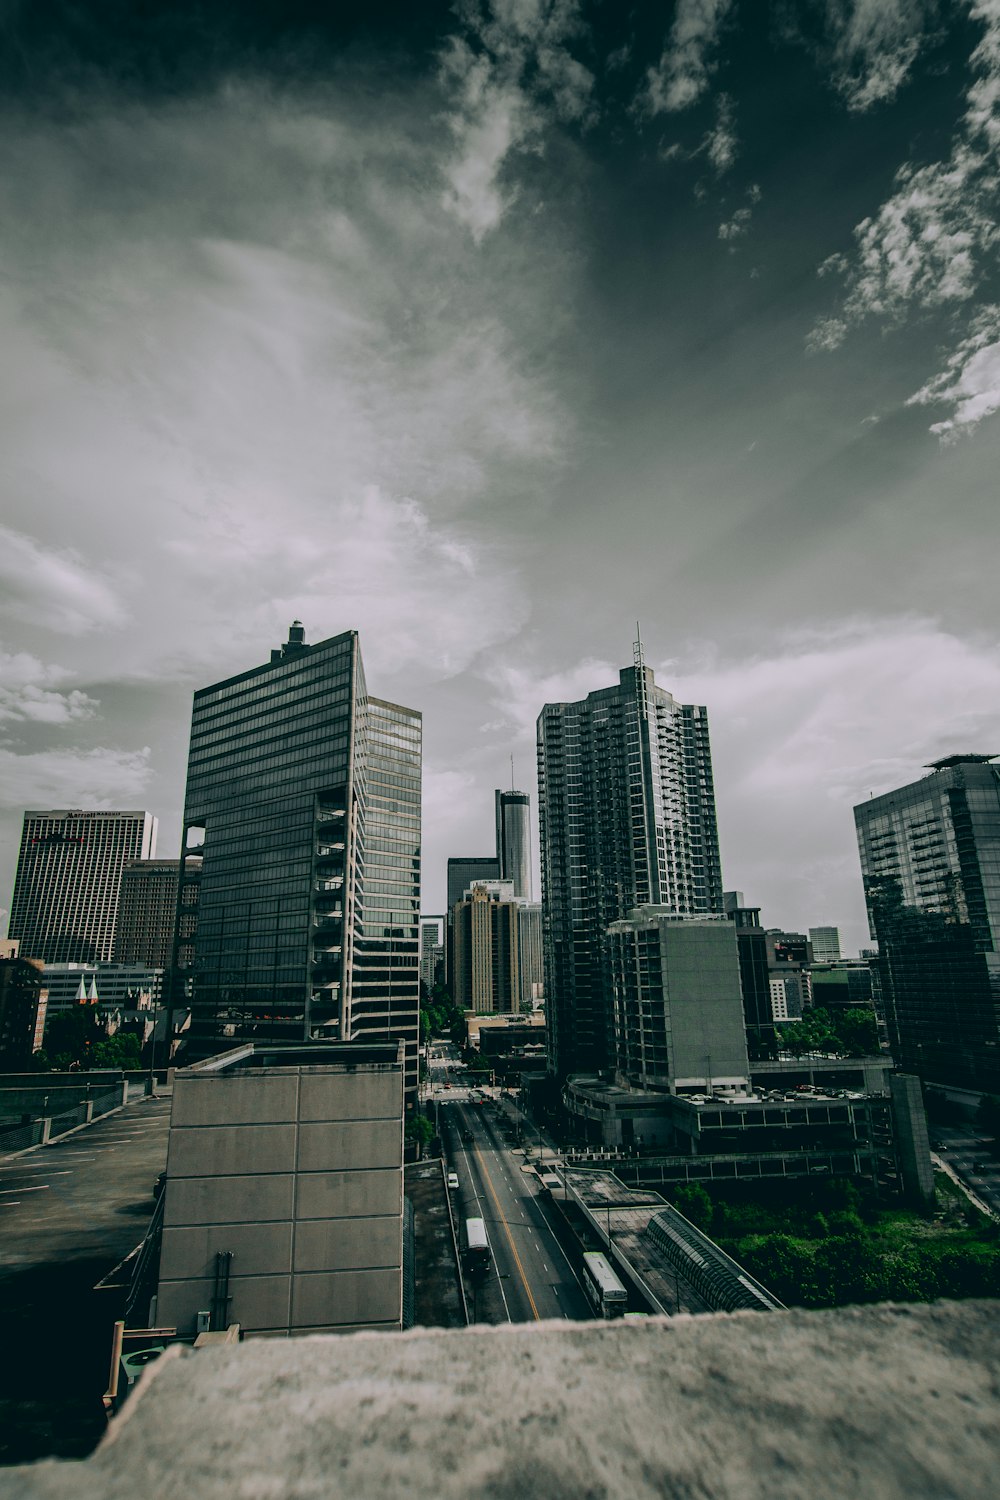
[{"x": 866, "y": 1402}]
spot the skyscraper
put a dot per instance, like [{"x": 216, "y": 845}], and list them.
[
  {"x": 66, "y": 890},
  {"x": 462, "y": 871},
  {"x": 144, "y": 932},
  {"x": 514, "y": 841},
  {"x": 487, "y": 949},
  {"x": 299, "y": 893},
  {"x": 626, "y": 819},
  {"x": 930, "y": 857}
]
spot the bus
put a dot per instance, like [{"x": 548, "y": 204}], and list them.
[
  {"x": 602, "y": 1286},
  {"x": 476, "y": 1245}
]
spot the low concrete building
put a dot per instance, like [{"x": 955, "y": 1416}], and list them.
[{"x": 283, "y": 1205}]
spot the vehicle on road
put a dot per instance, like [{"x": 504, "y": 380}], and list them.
[
  {"x": 602, "y": 1286},
  {"x": 452, "y": 1181},
  {"x": 476, "y": 1247},
  {"x": 467, "y": 1135}
]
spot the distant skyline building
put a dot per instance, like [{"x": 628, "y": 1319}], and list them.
[
  {"x": 431, "y": 951},
  {"x": 513, "y": 824},
  {"x": 626, "y": 819},
  {"x": 147, "y": 903},
  {"x": 825, "y": 943},
  {"x": 487, "y": 949},
  {"x": 298, "y": 909},
  {"x": 67, "y": 887},
  {"x": 463, "y": 870},
  {"x": 930, "y": 858}
]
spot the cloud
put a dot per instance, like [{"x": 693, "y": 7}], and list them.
[
  {"x": 683, "y": 72},
  {"x": 722, "y": 143},
  {"x": 874, "y": 44},
  {"x": 283, "y": 384},
  {"x": 971, "y": 380},
  {"x": 511, "y": 72},
  {"x": 97, "y": 778},
  {"x": 29, "y": 691},
  {"x": 54, "y": 588},
  {"x": 933, "y": 243},
  {"x": 736, "y": 227}
]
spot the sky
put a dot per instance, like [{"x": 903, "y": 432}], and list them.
[{"x": 488, "y": 329}]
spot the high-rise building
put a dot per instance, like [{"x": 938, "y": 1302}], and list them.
[
  {"x": 298, "y": 905},
  {"x": 514, "y": 841},
  {"x": 930, "y": 857},
  {"x": 825, "y": 943},
  {"x": 487, "y": 949},
  {"x": 23, "y": 1002},
  {"x": 678, "y": 1010},
  {"x": 431, "y": 952},
  {"x": 531, "y": 954},
  {"x": 626, "y": 818},
  {"x": 147, "y": 903},
  {"x": 463, "y": 870},
  {"x": 69, "y": 871},
  {"x": 754, "y": 957}
]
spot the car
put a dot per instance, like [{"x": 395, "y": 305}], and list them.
[{"x": 453, "y": 1181}]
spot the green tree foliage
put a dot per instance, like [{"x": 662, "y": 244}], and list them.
[
  {"x": 419, "y": 1129},
  {"x": 71, "y": 1037},
  {"x": 694, "y": 1203},
  {"x": 117, "y": 1052},
  {"x": 851, "y": 1033},
  {"x": 440, "y": 1016}
]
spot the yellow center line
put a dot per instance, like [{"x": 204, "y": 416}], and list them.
[{"x": 506, "y": 1230}]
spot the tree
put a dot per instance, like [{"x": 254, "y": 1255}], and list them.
[
  {"x": 117, "y": 1052},
  {"x": 856, "y": 1031},
  {"x": 694, "y": 1203},
  {"x": 71, "y": 1037}
]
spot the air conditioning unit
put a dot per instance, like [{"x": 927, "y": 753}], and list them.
[{"x": 132, "y": 1365}]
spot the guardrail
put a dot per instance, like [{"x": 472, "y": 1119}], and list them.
[{"x": 49, "y": 1127}]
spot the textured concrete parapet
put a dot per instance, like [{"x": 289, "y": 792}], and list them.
[{"x": 873, "y": 1402}]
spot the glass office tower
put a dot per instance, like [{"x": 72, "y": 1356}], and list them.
[
  {"x": 930, "y": 857},
  {"x": 295, "y": 833},
  {"x": 626, "y": 810},
  {"x": 514, "y": 841}
]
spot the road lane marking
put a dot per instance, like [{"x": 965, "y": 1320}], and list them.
[
  {"x": 40, "y": 1188},
  {"x": 510, "y": 1238}
]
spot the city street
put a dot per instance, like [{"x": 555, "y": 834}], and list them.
[
  {"x": 530, "y": 1276},
  {"x": 972, "y": 1158}
]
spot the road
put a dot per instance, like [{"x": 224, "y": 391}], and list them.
[
  {"x": 531, "y": 1276},
  {"x": 972, "y": 1158}
]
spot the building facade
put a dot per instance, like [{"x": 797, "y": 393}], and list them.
[
  {"x": 67, "y": 887},
  {"x": 463, "y": 870},
  {"x": 930, "y": 857},
  {"x": 513, "y": 820},
  {"x": 297, "y": 915},
  {"x": 825, "y": 944},
  {"x": 147, "y": 904},
  {"x": 626, "y": 819},
  {"x": 431, "y": 952},
  {"x": 23, "y": 1002},
  {"x": 283, "y": 1204},
  {"x": 678, "y": 1007},
  {"x": 487, "y": 949}
]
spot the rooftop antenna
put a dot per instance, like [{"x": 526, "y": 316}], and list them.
[
  {"x": 640, "y": 674},
  {"x": 512, "y": 773}
]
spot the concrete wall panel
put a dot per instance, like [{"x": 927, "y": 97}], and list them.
[
  {"x": 351, "y": 1096},
  {"x": 258, "y": 1250},
  {"x": 244, "y": 1099},
  {"x": 335, "y": 1244},
  {"x": 355, "y": 1143},
  {"x": 259, "y": 1303},
  {"x": 325, "y": 1300},
  {"x": 230, "y": 1200},
  {"x": 328, "y": 1195},
  {"x": 228, "y": 1150}
]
